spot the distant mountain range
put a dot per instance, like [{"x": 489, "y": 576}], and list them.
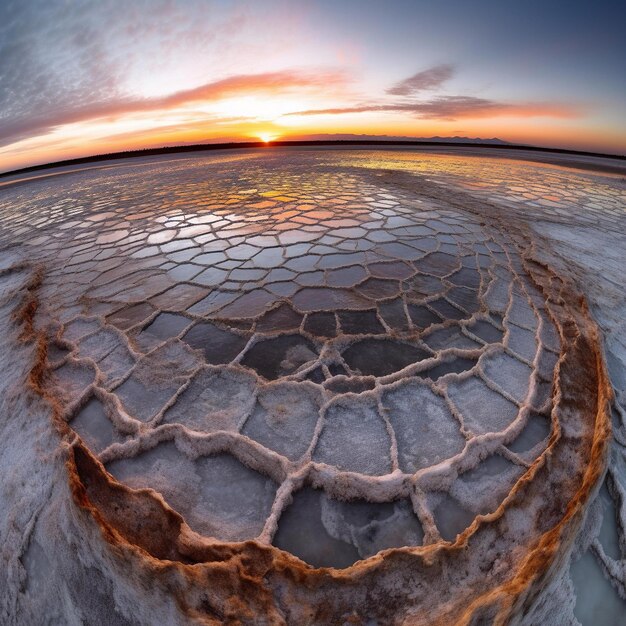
[{"x": 400, "y": 138}]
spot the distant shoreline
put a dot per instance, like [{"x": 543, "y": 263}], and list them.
[{"x": 327, "y": 142}]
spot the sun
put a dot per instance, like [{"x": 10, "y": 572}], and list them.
[{"x": 266, "y": 137}]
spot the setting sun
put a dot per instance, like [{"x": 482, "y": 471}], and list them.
[{"x": 267, "y": 137}]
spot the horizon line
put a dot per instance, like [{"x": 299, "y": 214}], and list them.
[{"x": 177, "y": 149}]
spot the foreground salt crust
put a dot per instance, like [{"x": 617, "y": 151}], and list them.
[{"x": 332, "y": 361}]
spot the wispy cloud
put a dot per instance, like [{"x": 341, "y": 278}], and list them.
[
  {"x": 280, "y": 82},
  {"x": 426, "y": 80},
  {"x": 407, "y": 99},
  {"x": 271, "y": 82},
  {"x": 450, "y": 108},
  {"x": 71, "y": 62}
]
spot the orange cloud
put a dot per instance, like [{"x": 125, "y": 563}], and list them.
[{"x": 282, "y": 82}]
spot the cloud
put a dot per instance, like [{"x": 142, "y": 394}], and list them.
[
  {"x": 450, "y": 108},
  {"x": 446, "y": 107},
  {"x": 270, "y": 82},
  {"x": 71, "y": 61},
  {"x": 423, "y": 81},
  {"x": 285, "y": 81}
]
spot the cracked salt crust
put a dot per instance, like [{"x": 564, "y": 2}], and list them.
[{"x": 295, "y": 351}]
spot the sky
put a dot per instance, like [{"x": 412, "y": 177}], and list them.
[{"x": 81, "y": 77}]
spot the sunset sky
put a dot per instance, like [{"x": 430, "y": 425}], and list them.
[{"x": 80, "y": 78}]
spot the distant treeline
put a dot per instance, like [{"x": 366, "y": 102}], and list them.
[{"x": 325, "y": 142}]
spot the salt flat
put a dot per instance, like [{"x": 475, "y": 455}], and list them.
[{"x": 314, "y": 386}]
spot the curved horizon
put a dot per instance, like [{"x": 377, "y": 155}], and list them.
[{"x": 379, "y": 142}]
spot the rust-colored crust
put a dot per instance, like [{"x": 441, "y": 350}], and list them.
[{"x": 592, "y": 396}]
